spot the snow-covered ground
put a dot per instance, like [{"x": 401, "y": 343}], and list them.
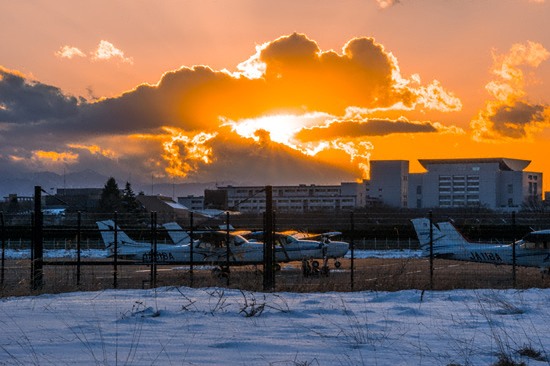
[{"x": 214, "y": 326}]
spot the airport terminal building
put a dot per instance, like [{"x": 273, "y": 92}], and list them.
[{"x": 499, "y": 184}]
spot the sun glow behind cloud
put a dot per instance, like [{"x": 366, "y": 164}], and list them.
[
  {"x": 184, "y": 151},
  {"x": 281, "y": 127}
]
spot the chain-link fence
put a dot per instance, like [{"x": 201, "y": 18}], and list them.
[{"x": 384, "y": 253}]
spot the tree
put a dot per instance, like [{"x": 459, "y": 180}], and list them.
[
  {"x": 129, "y": 202},
  {"x": 111, "y": 199}
]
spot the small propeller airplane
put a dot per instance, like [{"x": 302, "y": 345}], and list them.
[
  {"x": 289, "y": 246},
  {"x": 531, "y": 251},
  {"x": 209, "y": 247}
]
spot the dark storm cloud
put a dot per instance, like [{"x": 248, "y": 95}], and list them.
[
  {"x": 25, "y": 101},
  {"x": 512, "y": 120},
  {"x": 353, "y": 129}
]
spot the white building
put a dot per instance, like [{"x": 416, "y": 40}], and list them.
[
  {"x": 494, "y": 183},
  {"x": 300, "y": 198}
]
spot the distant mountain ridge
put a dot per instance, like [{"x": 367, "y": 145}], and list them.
[{"x": 23, "y": 184}]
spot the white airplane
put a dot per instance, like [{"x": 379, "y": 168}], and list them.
[
  {"x": 531, "y": 251},
  {"x": 296, "y": 246},
  {"x": 209, "y": 247},
  {"x": 289, "y": 246}
]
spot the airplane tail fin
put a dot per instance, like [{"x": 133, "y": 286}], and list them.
[
  {"x": 451, "y": 233},
  {"x": 107, "y": 230},
  {"x": 176, "y": 233},
  {"x": 445, "y": 237}
]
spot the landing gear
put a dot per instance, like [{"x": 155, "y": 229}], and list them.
[
  {"x": 220, "y": 272},
  {"x": 337, "y": 264},
  {"x": 313, "y": 268}
]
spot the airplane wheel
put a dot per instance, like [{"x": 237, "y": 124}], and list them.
[
  {"x": 315, "y": 264},
  {"x": 337, "y": 264}
]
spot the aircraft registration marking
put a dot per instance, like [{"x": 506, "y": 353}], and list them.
[
  {"x": 484, "y": 257},
  {"x": 160, "y": 257}
]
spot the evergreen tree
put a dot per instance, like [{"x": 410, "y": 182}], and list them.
[
  {"x": 129, "y": 202},
  {"x": 111, "y": 199}
]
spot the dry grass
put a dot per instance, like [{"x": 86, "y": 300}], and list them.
[{"x": 369, "y": 274}]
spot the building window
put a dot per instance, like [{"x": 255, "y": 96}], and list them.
[
  {"x": 418, "y": 189},
  {"x": 510, "y": 188}
]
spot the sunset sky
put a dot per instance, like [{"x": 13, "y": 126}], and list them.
[{"x": 270, "y": 92}]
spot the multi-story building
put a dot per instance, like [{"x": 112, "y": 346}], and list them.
[
  {"x": 494, "y": 183},
  {"x": 192, "y": 202},
  {"x": 389, "y": 182},
  {"x": 300, "y": 198}
]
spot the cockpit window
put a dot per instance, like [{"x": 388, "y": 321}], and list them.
[
  {"x": 291, "y": 239},
  {"x": 535, "y": 245}
]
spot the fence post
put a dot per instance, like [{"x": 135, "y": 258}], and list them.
[
  {"x": 3, "y": 233},
  {"x": 78, "y": 228},
  {"x": 431, "y": 252},
  {"x": 269, "y": 276},
  {"x": 191, "y": 249},
  {"x": 38, "y": 242},
  {"x": 115, "y": 258},
  {"x": 154, "y": 249},
  {"x": 514, "y": 249},
  {"x": 227, "y": 249},
  {"x": 352, "y": 218}
]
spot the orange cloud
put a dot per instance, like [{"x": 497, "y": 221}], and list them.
[
  {"x": 509, "y": 115},
  {"x": 94, "y": 149},
  {"x": 275, "y": 104},
  {"x": 55, "y": 157}
]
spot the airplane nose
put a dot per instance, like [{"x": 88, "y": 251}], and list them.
[{"x": 338, "y": 248}]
